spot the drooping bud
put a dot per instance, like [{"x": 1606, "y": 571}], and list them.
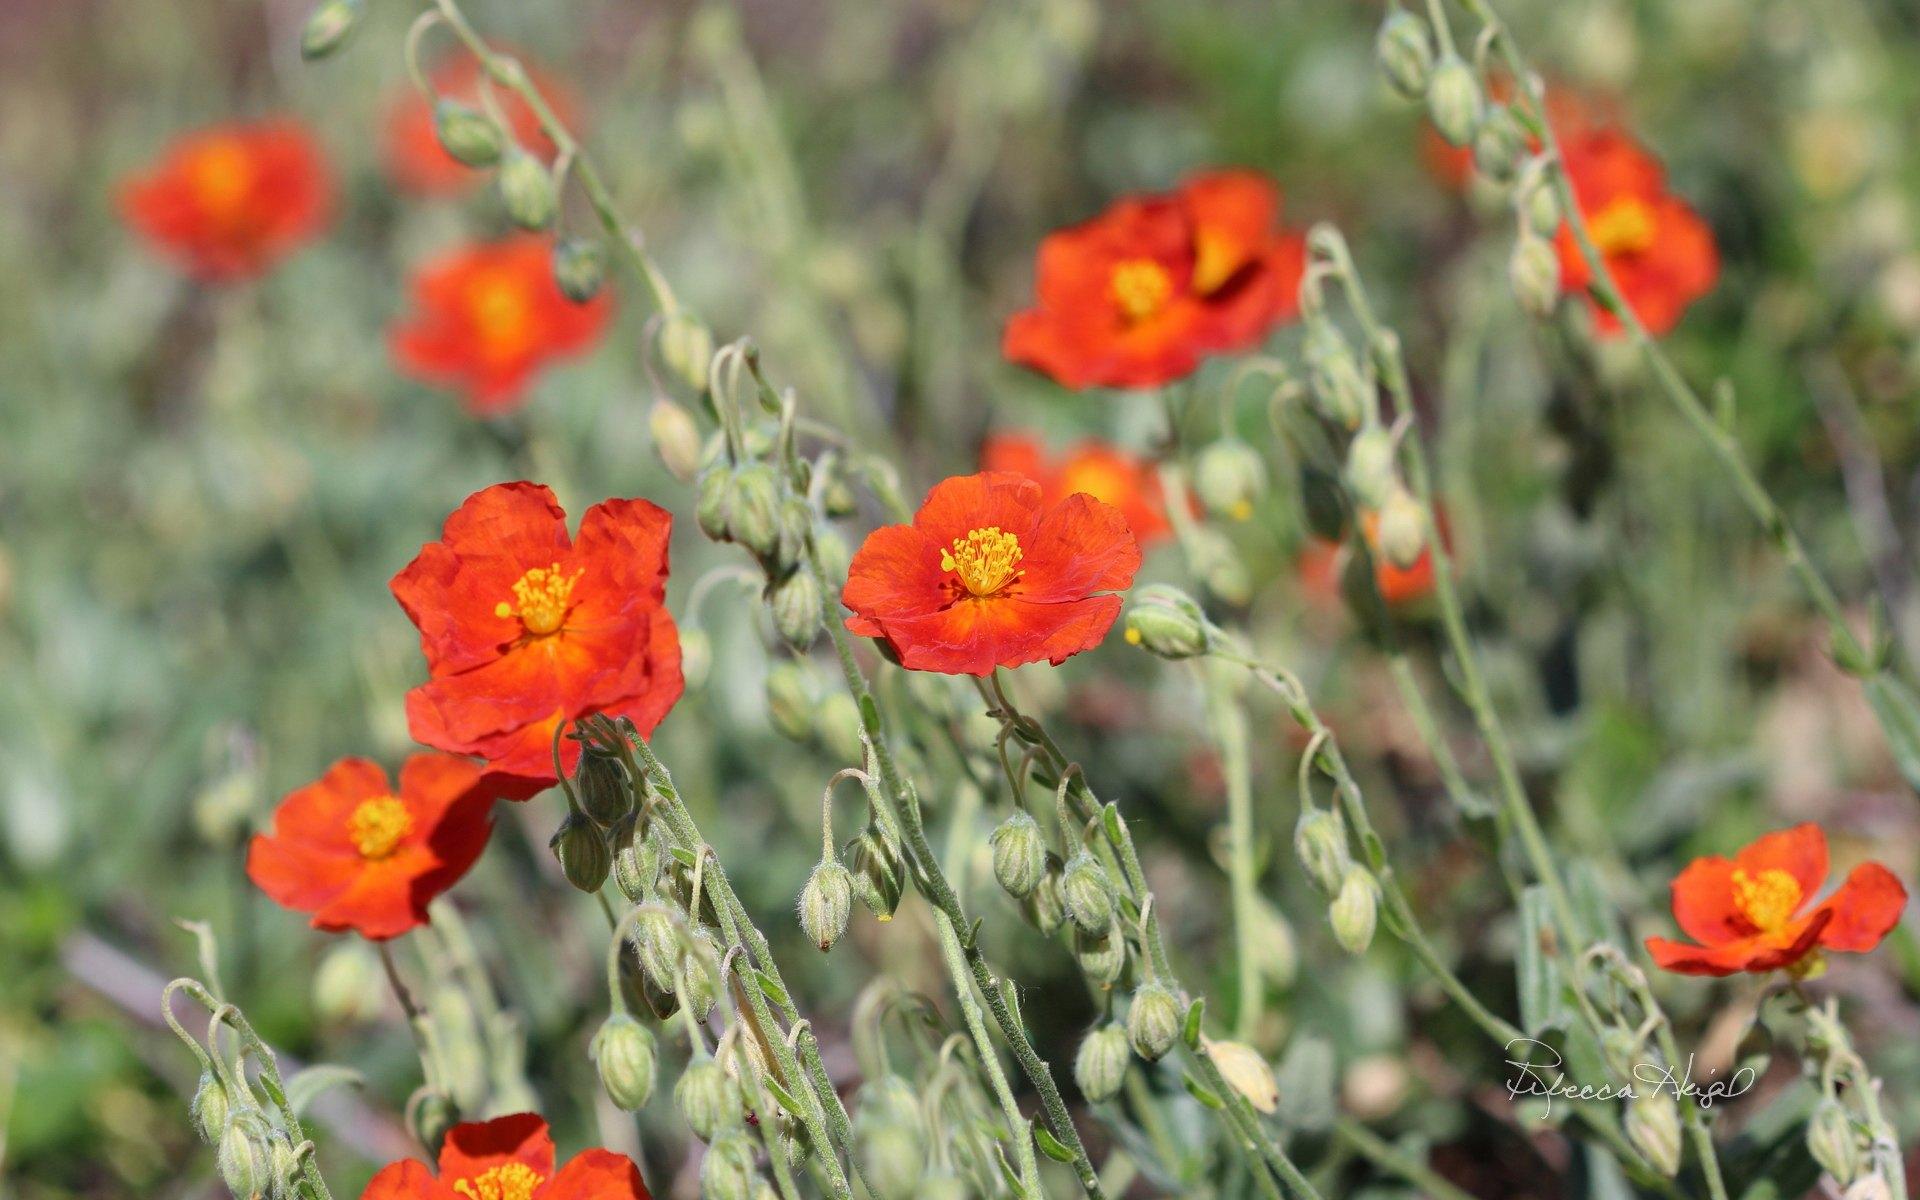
[
  {"x": 713, "y": 504},
  {"x": 892, "y": 1149},
  {"x": 601, "y": 784},
  {"x": 1046, "y": 906},
  {"x": 284, "y": 1167},
  {"x": 1320, "y": 842},
  {"x": 526, "y": 189},
  {"x": 1402, "y": 529},
  {"x": 1340, "y": 389},
  {"x": 825, "y": 903},
  {"x": 1453, "y": 100},
  {"x": 696, "y": 657},
  {"x": 243, "y": 1159},
  {"x": 210, "y": 1109},
  {"x": 470, "y": 137},
  {"x": 1543, "y": 206},
  {"x": 431, "y": 1114},
  {"x": 1166, "y": 621},
  {"x": 727, "y": 1172},
  {"x": 1404, "y": 50},
  {"x": 656, "y": 942},
  {"x": 790, "y": 702},
  {"x": 1500, "y": 146},
  {"x": 698, "y": 992},
  {"x": 1101, "y": 959},
  {"x": 1088, "y": 894},
  {"x": 879, "y": 873},
  {"x": 796, "y": 524},
  {"x": 1019, "y": 854},
  {"x": 687, "y": 349},
  {"x": 1370, "y": 466},
  {"x": 708, "y": 1098},
  {"x": 1247, "y": 1071},
  {"x": 676, "y": 439},
  {"x": 327, "y": 27},
  {"x": 1100, "y": 1065},
  {"x": 582, "y": 851},
  {"x": 1230, "y": 477},
  {"x": 755, "y": 519},
  {"x": 347, "y": 985},
  {"x": 1534, "y": 273},
  {"x": 579, "y": 267},
  {"x": 797, "y": 610},
  {"x": 1354, "y": 910},
  {"x": 1653, "y": 1126},
  {"x": 837, "y": 722},
  {"x": 1153, "y": 1021},
  {"x": 1832, "y": 1142},
  {"x": 623, "y": 1054}
]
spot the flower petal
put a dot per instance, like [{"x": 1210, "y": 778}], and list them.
[
  {"x": 1079, "y": 547},
  {"x": 407, "y": 1179},
  {"x": 471, "y": 1148},
  {"x": 1800, "y": 851},
  {"x": 972, "y": 637},
  {"x": 1864, "y": 909},
  {"x": 597, "y": 1175},
  {"x": 1703, "y": 902}
]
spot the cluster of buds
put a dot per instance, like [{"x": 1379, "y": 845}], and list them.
[
  {"x": 601, "y": 820},
  {"x": 1320, "y": 843},
  {"x": 1229, "y": 477},
  {"x": 1848, "y": 1134}
]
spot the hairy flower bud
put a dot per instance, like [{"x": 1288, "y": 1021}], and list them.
[
  {"x": 244, "y": 1161},
  {"x": 1019, "y": 854},
  {"x": 879, "y": 873},
  {"x": 1166, "y": 621},
  {"x": 1370, "y": 468},
  {"x": 687, "y": 349},
  {"x": 797, "y": 610},
  {"x": 1405, "y": 52},
  {"x": 1453, "y": 100},
  {"x": 347, "y": 985},
  {"x": 698, "y": 994},
  {"x": 1832, "y": 1142},
  {"x": 708, "y": 1098},
  {"x": 1402, "y": 528},
  {"x": 656, "y": 942},
  {"x": 582, "y": 851},
  {"x": 1354, "y": 910},
  {"x": 210, "y": 1108},
  {"x": 470, "y": 137},
  {"x": 1534, "y": 272},
  {"x": 1247, "y": 1072},
  {"x": 285, "y": 1167},
  {"x": 1101, "y": 959},
  {"x": 1230, "y": 477},
  {"x": 622, "y": 1053},
  {"x": 526, "y": 189},
  {"x": 1500, "y": 146},
  {"x": 727, "y": 1172},
  {"x": 825, "y": 903},
  {"x": 429, "y": 1116},
  {"x": 1046, "y": 906},
  {"x": 790, "y": 701},
  {"x": 579, "y": 267},
  {"x": 1153, "y": 1021},
  {"x": 327, "y": 27},
  {"x": 1341, "y": 392},
  {"x": 601, "y": 784},
  {"x": 676, "y": 440},
  {"x": 1542, "y": 206},
  {"x": 1100, "y": 1065},
  {"x": 1653, "y": 1126},
  {"x": 893, "y": 1158},
  {"x": 1088, "y": 894},
  {"x": 1320, "y": 842},
  {"x": 755, "y": 521}
]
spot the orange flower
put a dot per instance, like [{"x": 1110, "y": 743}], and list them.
[
  {"x": 488, "y": 317},
  {"x": 1138, "y": 295},
  {"x": 229, "y": 201},
  {"x": 1322, "y": 562},
  {"x": 508, "y": 1158},
  {"x": 1571, "y": 113},
  {"x": 360, "y": 855},
  {"x": 411, "y": 149},
  {"x": 989, "y": 576},
  {"x": 1746, "y": 912},
  {"x": 524, "y": 627},
  {"x": 1656, "y": 248},
  {"x": 1107, "y": 473}
]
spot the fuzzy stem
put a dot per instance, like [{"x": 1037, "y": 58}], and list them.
[{"x": 989, "y": 1059}]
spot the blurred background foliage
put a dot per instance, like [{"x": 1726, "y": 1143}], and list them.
[{"x": 203, "y": 493}]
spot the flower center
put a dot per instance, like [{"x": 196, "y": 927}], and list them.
[
  {"x": 1623, "y": 227},
  {"x": 1140, "y": 287},
  {"x": 1766, "y": 900},
  {"x": 508, "y": 1181},
  {"x": 984, "y": 559},
  {"x": 221, "y": 171},
  {"x": 376, "y": 826},
  {"x": 540, "y": 599},
  {"x": 1214, "y": 261},
  {"x": 502, "y": 313}
]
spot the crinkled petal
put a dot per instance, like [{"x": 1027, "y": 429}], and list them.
[{"x": 1864, "y": 909}]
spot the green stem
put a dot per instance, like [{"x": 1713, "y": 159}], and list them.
[
  {"x": 989, "y": 1059},
  {"x": 1381, "y": 1153},
  {"x": 1228, "y": 722}
]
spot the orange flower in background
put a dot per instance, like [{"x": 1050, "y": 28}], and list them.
[
  {"x": 1656, "y": 248},
  {"x": 524, "y": 627},
  {"x": 1138, "y": 295},
  {"x": 488, "y": 316},
  {"x": 411, "y": 149},
  {"x": 1571, "y": 113},
  {"x": 989, "y": 575},
  {"x": 1107, "y": 473},
  {"x": 1749, "y": 913},
  {"x": 1321, "y": 563},
  {"x": 229, "y": 201},
  {"x": 360, "y": 854},
  {"x": 508, "y": 1158}
]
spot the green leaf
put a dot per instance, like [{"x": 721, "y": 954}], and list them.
[
  {"x": 684, "y": 856},
  {"x": 1543, "y": 997},
  {"x": 1898, "y": 711},
  {"x": 1050, "y": 1145},
  {"x": 1196, "y": 1012},
  {"x": 1202, "y": 1093},
  {"x": 772, "y": 990},
  {"x": 306, "y": 1086},
  {"x": 784, "y": 1099}
]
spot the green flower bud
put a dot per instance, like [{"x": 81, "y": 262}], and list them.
[
  {"x": 526, "y": 189},
  {"x": 686, "y": 348},
  {"x": 431, "y": 1114},
  {"x": 1046, "y": 906},
  {"x": 1370, "y": 470},
  {"x": 700, "y": 995},
  {"x": 1101, "y": 959},
  {"x": 713, "y": 507},
  {"x": 1323, "y": 502},
  {"x": 1320, "y": 842},
  {"x": 582, "y": 851},
  {"x": 1653, "y": 1126},
  {"x": 327, "y": 27},
  {"x": 1153, "y": 1021},
  {"x": 1088, "y": 894},
  {"x": 1354, "y": 910},
  {"x": 244, "y": 1160},
  {"x": 790, "y": 701},
  {"x": 601, "y": 784},
  {"x": 1166, "y": 621},
  {"x": 1100, "y": 1065},
  {"x": 348, "y": 985},
  {"x": 1500, "y": 146},
  {"x": 727, "y": 1172},
  {"x": 696, "y": 657},
  {"x": 1534, "y": 273},
  {"x": 1340, "y": 389},
  {"x": 579, "y": 267},
  {"x": 893, "y": 1155},
  {"x": 285, "y": 1170},
  {"x": 879, "y": 873},
  {"x": 835, "y": 557},
  {"x": 1405, "y": 53},
  {"x": 470, "y": 137},
  {"x": 676, "y": 439},
  {"x": 797, "y": 610},
  {"x": 1019, "y": 854},
  {"x": 622, "y": 1052},
  {"x": 837, "y": 722},
  {"x": 1833, "y": 1143},
  {"x": 825, "y": 903},
  {"x": 656, "y": 942},
  {"x": 1247, "y": 1071},
  {"x": 1453, "y": 100},
  {"x": 708, "y": 1098},
  {"x": 1402, "y": 532},
  {"x": 210, "y": 1109},
  {"x": 1230, "y": 477},
  {"x": 755, "y": 522},
  {"x": 1543, "y": 207},
  {"x": 796, "y": 523}
]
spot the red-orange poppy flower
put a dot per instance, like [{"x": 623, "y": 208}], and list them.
[
  {"x": 230, "y": 201},
  {"x": 988, "y": 575},
  {"x": 1107, "y": 473},
  {"x": 1749, "y": 913},
  {"x": 1138, "y": 295},
  {"x": 488, "y": 316},
  {"x": 524, "y": 626},
  {"x": 360, "y": 854},
  {"x": 1657, "y": 249},
  {"x": 1321, "y": 562},
  {"x": 411, "y": 149},
  {"x": 508, "y": 1158}
]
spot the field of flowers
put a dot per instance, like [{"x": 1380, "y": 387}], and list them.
[{"x": 984, "y": 598}]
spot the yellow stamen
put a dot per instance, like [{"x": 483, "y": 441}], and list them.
[
  {"x": 376, "y": 826},
  {"x": 222, "y": 172},
  {"x": 1766, "y": 900},
  {"x": 1214, "y": 261},
  {"x": 1140, "y": 287},
  {"x": 984, "y": 559},
  {"x": 508, "y": 1181},
  {"x": 540, "y": 599},
  {"x": 1623, "y": 227}
]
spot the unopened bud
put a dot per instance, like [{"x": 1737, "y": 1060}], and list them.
[
  {"x": 601, "y": 784},
  {"x": 1403, "y": 529},
  {"x": 879, "y": 874},
  {"x": 1100, "y": 1065},
  {"x": 697, "y": 982},
  {"x": 893, "y": 1157},
  {"x": 1453, "y": 100},
  {"x": 284, "y": 1167},
  {"x": 656, "y": 942},
  {"x": 797, "y": 610},
  {"x": 825, "y": 903},
  {"x": 430, "y": 1116},
  {"x": 676, "y": 439},
  {"x": 579, "y": 267},
  {"x": 727, "y": 1172},
  {"x": 1500, "y": 145},
  {"x": 1246, "y": 1071},
  {"x": 582, "y": 851},
  {"x": 1354, "y": 910},
  {"x": 623, "y": 1054},
  {"x": 837, "y": 722},
  {"x": 1166, "y": 621},
  {"x": 1832, "y": 1142},
  {"x": 1653, "y": 1126},
  {"x": 1045, "y": 906},
  {"x": 1534, "y": 272},
  {"x": 1101, "y": 959},
  {"x": 1405, "y": 52},
  {"x": 348, "y": 986},
  {"x": 242, "y": 1157},
  {"x": 526, "y": 189},
  {"x": 327, "y": 27},
  {"x": 1340, "y": 389},
  {"x": 696, "y": 657},
  {"x": 755, "y": 520},
  {"x": 1320, "y": 842},
  {"x": 1370, "y": 466},
  {"x": 1542, "y": 206},
  {"x": 790, "y": 700},
  {"x": 1088, "y": 894},
  {"x": 1230, "y": 477},
  {"x": 687, "y": 349},
  {"x": 210, "y": 1109},
  {"x": 470, "y": 137},
  {"x": 1153, "y": 1021},
  {"x": 1019, "y": 854},
  {"x": 708, "y": 1098},
  {"x": 713, "y": 504}
]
